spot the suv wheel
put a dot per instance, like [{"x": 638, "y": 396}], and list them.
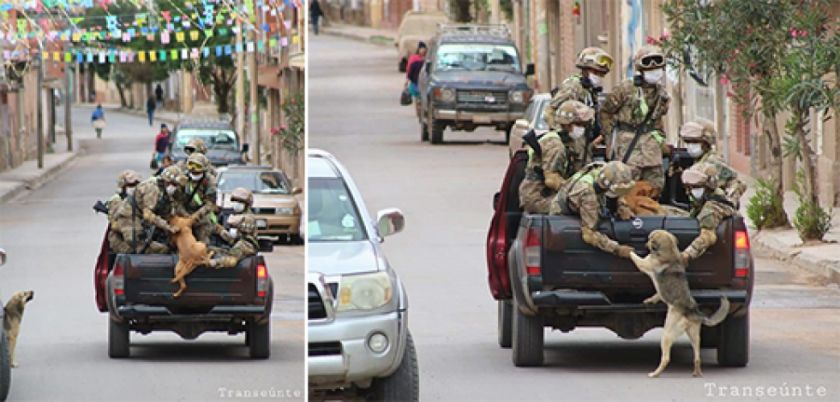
[
  {"x": 437, "y": 128},
  {"x": 259, "y": 339},
  {"x": 527, "y": 338},
  {"x": 505, "y": 323},
  {"x": 734, "y": 347},
  {"x": 5, "y": 367},
  {"x": 403, "y": 384},
  {"x": 118, "y": 339}
]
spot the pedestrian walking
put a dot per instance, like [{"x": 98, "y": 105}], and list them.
[
  {"x": 97, "y": 119},
  {"x": 412, "y": 73},
  {"x": 315, "y": 13},
  {"x": 151, "y": 105},
  {"x": 161, "y": 144},
  {"x": 159, "y": 94}
]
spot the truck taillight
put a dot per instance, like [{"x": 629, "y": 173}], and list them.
[
  {"x": 119, "y": 280},
  {"x": 262, "y": 280},
  {"x": 532, "y": 252},
  {"x": 742, "y": 254}
]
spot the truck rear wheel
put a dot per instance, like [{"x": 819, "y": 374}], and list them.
[
  {"x": 118, "y": 339},
  {"x": 528, "y": 339},
  {"x": 259, "y": 339},
  {"x": 437, "y": 128},
  {"x": 5, "y": 367},
  {"x": 403, "y": 384},
  {"x": 734, "y": 347},
  {"x": 504, "y": 319}
]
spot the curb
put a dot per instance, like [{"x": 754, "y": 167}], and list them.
[
  {"x": 47, "y": 175},
  {"x": 374, "y": 40},
  {"x": 801, "y": 257}
]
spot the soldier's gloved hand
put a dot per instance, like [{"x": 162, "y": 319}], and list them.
[
  {"x": 685, "y": 257},
  {"x": 623, "y": 251},
  {"x": 214, "y": 264}
]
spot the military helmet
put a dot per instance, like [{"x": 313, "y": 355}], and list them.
[
  {"x": 699, "y": 131},
  {"x": 572, "y": 111},
  {"x": 172, "y": 174},
  {"x": 594, "y": 58},
  {"x": 195, "y": 144},
  {"x": 616, "y": 177},
  {"x": 128, "y": 178},
  {"x": 649, "y": 57},
  {"x": 242, "y": 194},
  {"x": 247, "y": 225},
  {"x": 197, "y": 163},
  {"x": 703, "y": 174}
]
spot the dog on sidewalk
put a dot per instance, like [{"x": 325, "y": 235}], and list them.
[
  {"x": 12, "y": 318},
  {"x": 666, "y": 269},
  {"x": 191, "y": 252}
]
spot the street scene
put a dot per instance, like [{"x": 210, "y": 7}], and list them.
[
  {"x": 783, "y": 315},
  {"x": 151, "y": 199}
]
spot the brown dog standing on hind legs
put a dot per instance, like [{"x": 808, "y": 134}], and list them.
[
  {"x": 12, "y": 318},
  {"x": 666, "y": 269},
  {"x": 191, "y": 252}
]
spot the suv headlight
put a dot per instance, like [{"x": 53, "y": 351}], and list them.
[
  {"x": 444, "y": 94},
  {"x": 364, "y": 292},
  {"x": 518, "y": 96}
]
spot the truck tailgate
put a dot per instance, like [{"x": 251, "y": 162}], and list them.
[{"x": 147, "y": 281}]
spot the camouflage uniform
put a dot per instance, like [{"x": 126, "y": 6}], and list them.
[
  {"x": 727, "y": 181},
  {"x": 150, "y": 206},
  {"x": 246, "y": 245},
  {"x": 709, "y": 210},
  {"x": 196, "y": 145},
  {"x": 199, "y": 198},
  {"x": 116, "y": 241},
  {"x": 584, "y": 194},
  {"x": 542, "y": 179}
]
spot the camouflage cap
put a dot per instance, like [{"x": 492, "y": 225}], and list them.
[
  {"x": 128, "y": 178},
  {"x": 196, "y": 144},
  {"x": 172, "y": 174},
  {"x": 701, "y": 174},
  {"x": 242, "y": 194},
  {"x": 699, "y": 131},
  {"x": 248, "y": 225},
  {"x": 197, "y": 163},
  {"x": 616, "y": 177},
  {"x": 572, "y": 111},
  {"x": 649, "y": 57},
  {"x": 594, "y": 58}
]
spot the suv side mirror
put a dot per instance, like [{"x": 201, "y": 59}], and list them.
[
  {"x": 529, "y": 69},
  {"x": 389, "y": 221}
]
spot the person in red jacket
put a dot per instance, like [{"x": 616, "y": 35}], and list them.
[{"x": 161, "y": 143}]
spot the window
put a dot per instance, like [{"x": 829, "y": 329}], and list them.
[
  {"x": 258, "y": 182},
  {"x": 214, "y": 139},
  {"x": 476, "y": 56},
  {"x": 333, "y": 215}
]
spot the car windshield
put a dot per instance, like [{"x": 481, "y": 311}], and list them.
[
  {"x": 333, "y": 215},
  {"x": 540, "y": 123},
  {"x": 214, "y": 139},
  {"x": 477, "y": 56},
  {"x": 264, "y": 182}
]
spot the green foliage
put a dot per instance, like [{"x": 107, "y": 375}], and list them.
[
  {"x": 292, "y": 136},
  {"x": 766, "y": 206},
  {"x": 811, "y": 221}
]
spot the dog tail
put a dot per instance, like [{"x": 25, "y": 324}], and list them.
[{"x": 719, "y": 315}]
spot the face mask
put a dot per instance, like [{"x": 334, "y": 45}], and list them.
[
  {"x": 595, "y": 80},
  {"x": 238, "y": 207},
  {"x": 129, "y": 191},
  {"x": 653, "y": 76},
  {"x": 233, "y": 232},
  {"x": 697, "y": 193},
  {"x": 196, "y": 176},
  {"x": 694, "y": 149},
  {"x": 577, "y": 132},
  {"x": 170, "y": 189}
]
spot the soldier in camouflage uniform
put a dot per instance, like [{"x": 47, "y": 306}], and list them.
[
  {"x": 586, "y": 194},
  {"x": 241, "y": 200},
  {"x": 555, "y": 159},
  {"x": 127, "y": 181},
  {"x": 594, "y": 63},
  {"x": 246, "y": 245},
  {"x": 700, "y": 138},
  {"x": 638, "y": 107},
  {"x": 145, "y": 213},
  {"x": 199, "y": 197},
  {"x": 196, "y": 145},
  {"x": 708, "y": 204}
]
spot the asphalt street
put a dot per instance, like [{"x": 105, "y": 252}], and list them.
[
  {"x": 52, "y": 237},
  {"x": 446, "y": 193}
]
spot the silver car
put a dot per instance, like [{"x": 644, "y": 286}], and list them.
[{"x": 358, "y": 310}]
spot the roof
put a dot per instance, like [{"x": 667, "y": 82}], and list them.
[
  {"x": 320, "y": 164},
  {"x": 249, "y": 167}
]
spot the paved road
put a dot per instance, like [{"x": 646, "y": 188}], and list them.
[
  {"x": 446, "y": 191},
  {"x": 53, "y": 236}
]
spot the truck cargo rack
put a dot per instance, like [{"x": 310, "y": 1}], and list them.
[{"x": 499, "y": 30}]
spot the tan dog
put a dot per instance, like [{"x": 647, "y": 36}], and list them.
[
  {"x": 12, "y": 318},
  {"x": 191, "y": 253},
  {"x": 666, "y": 269},
  {"x": 641, "y": 199}
]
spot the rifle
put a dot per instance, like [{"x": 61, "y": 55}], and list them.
[
  {"x": 100, "y": 207},
  {"x": 531, "y": 139}
]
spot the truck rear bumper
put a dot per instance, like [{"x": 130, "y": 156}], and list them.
[
  {"x": 142, "y": 310},
  {"x": 596, "y": 300}
]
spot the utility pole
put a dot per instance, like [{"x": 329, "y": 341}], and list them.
[
  {"x": 68, "y": 95},
  {"x": 253, "y": 103},
  {"x": 240, "y": 75},
  {"x": 39, "y": 65}
]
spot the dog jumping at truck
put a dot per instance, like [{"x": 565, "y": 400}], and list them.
[
  {"x": 12, "y": 318},
  {"x": 191, "y": 252},
  {"x": 666, "y": 269}
]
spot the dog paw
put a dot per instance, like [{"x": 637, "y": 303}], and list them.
[
  {"x": 653, "y": 374},
  {"x": 651, "y": 300},
  {"x": 696, "y": 373}
]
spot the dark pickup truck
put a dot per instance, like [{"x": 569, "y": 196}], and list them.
[
  {"x": 543, "y": 275},
  {"x": 136, "y": 292}
]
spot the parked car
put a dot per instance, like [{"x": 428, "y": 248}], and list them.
[
  {"x": 5, "y": 362},
  {"x": 416, "y": 27},
  {"x": 358, "y": 309},
  {"x": 533, "y": 120},
  {"x": 542, "y": 274},
  {"x": 472, "y": 77},
  {"x": 275, "y": 207},
  {"x": 223, "y": 144}
]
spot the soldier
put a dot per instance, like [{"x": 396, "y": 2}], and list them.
[
  {"x": 700, "y": 138},
  {"x": 142, "y": 220},
  {"x": 241, "y": 200},
  {"x": 594, "y": 63},
  {"x": 551, "y": 159},
  {"x": 126, "y": 183},
  {"x": 587, "y": 193},
  {"x": 196, "y": 145},
  {"x": 199, "y": 197},
  {"x": 246, "y": 245},
  {"x": 708, "y": 204},
  {"x": 636, "y": 109}
]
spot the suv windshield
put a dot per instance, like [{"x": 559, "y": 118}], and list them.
[
  {"x": 214, "y": 139},
  {"x": 258, "y": 182},
  {"x": 476, "y": 56},
  {"x": 332, "y": 213}
]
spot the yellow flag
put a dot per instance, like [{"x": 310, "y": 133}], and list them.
[
  {"x": 77, "y": 37},
  {"x": 179, "y": 36},
  {"x": 142, "y": 56},
  {"x": 152, "y": 55},
  {"x": 56, "y": 56},
  {"x": 194, "y": 35}
]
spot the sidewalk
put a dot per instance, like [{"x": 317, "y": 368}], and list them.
[
  {"x": 383, "y": 37},
  {"x": 822, "y": 259}
]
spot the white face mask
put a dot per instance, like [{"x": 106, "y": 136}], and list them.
[
  {"x": 653, "y": 76},
  {"x": 595, "y": 80},
  {"x": 694, "y": 149},
  {"x": 170, "y": 189},
  {"x": 233, "y": 232},
  {"x": 697, "y": 193},
  {"x": 577, "y": 132},
  {"x": 129, "y": 190},
  {"x": 238, "y": 207},
  {"x": 196, "y": 176}
]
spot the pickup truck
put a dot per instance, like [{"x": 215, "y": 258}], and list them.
[
  {"x": 542, "y": 274},
  {"x": 135, "y": 291}
]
